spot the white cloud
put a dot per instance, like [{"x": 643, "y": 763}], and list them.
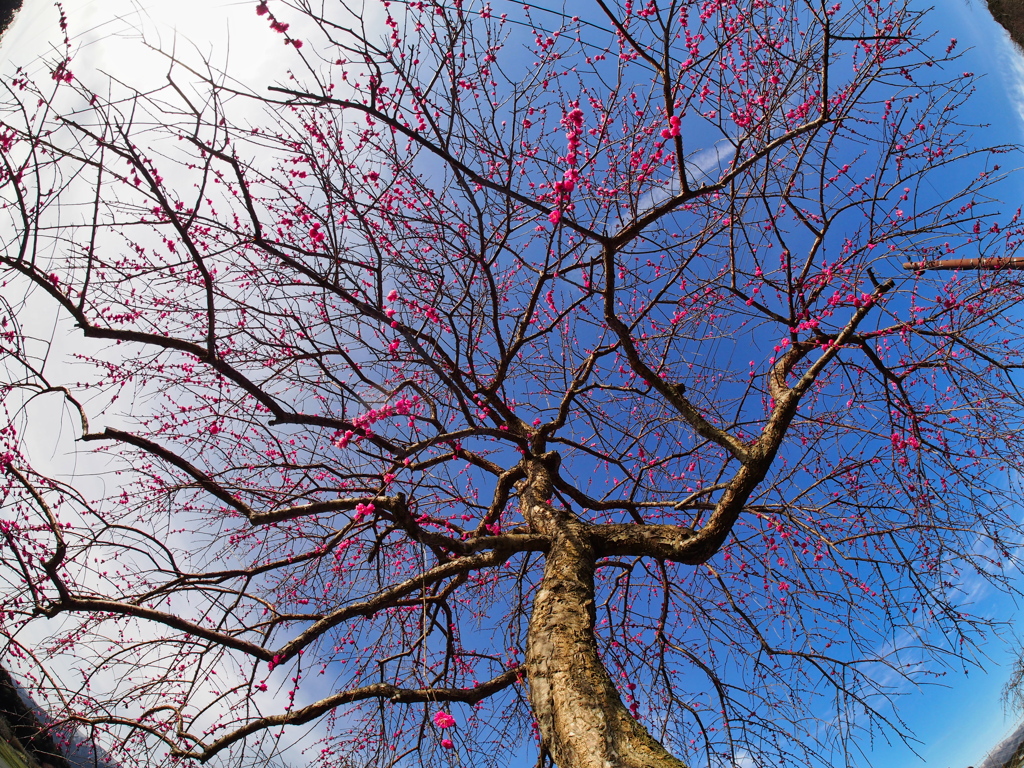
[
  {"x": 122, "y": 40},
  {"x": 1012, "y": 61}
]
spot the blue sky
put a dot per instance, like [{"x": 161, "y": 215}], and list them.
[{"x": 961, "y": 717}]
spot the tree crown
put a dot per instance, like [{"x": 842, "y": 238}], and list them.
[{"x": 500, "y": 374}]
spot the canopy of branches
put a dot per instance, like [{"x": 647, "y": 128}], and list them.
[{"x": 505, "y": 386}]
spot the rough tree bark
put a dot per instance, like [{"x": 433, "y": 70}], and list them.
[{"x": 581, "y": 717}]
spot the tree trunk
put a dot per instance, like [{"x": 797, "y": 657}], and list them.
[{"x": 583, "y": 722}]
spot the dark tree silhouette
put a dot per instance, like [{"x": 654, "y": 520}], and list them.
[
  {"x": 8, "y": 10},
  {"x": 506, "y": 386},
  {"x": 1011, "y": 16}
]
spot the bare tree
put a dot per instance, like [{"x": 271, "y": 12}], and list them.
[{"x": 509, "y": 386}]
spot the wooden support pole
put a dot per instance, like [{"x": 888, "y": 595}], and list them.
[{"x": 1006, "y": 262}]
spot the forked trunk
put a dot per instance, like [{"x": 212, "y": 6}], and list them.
[{"x": 583, "y": 722}]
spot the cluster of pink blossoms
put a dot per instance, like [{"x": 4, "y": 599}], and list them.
[
  {"x": 444, "y": 720},
  {"x": 900, "y": 443},
  {"x": 573, "y": 122},
  {"x": 402, "y": 407},
  {"x": 263, "y": 10},
  {"x": 673, "y": 128},
  {"x": 61, "y": 73}
]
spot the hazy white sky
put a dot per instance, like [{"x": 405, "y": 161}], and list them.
[{"x": 106, "y": 35}]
